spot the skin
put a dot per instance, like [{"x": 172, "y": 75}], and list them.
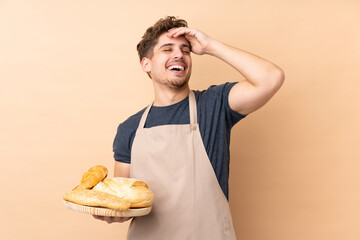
[{"x": 262, "y": 78}]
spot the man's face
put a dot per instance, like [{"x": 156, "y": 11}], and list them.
[{"x": 170, "y": 64}]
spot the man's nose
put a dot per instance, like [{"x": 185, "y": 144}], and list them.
[{"x": 178, "y": 53}]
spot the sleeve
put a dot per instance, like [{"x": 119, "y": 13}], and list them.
[
  {"x": 219, "y": 95},
  {"x": 124, "y": 138},
  {"x": 122, "y": 144},
  {"x": 232, "y": 116}
]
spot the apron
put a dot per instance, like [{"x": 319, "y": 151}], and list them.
[{"x": 189, "y": 202}]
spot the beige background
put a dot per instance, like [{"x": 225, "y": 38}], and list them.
[{"x": 69, "y": 75}]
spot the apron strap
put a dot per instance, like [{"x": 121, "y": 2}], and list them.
[
  {"x": 192, "y": 109},
  {"x": 144, "y": 116},
  {"x": 192, "y": 112}
]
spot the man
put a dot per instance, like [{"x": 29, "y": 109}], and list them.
[{"x": 179, "y": 145}]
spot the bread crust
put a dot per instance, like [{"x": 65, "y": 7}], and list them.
[
  {"x": 115, "y": 193},
  {"x": 92, "y": 177},
  {"x": 94, "y": 198},
  {"x": 134, "y": 191}
]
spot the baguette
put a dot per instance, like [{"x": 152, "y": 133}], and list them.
[{"x": 96, "y": 199}]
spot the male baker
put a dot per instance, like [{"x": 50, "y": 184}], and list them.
[{"x": 179, "y": 144}]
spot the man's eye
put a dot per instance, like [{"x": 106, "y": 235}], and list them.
[
  {"x": 167, "y": 50},
  {"x": 186, "y": 50}
]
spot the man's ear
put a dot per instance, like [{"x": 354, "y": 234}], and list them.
[{"x": 146, "y": 64}]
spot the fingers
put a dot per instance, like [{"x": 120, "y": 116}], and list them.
[
  {"x": 112, "y": 219},
  {"x": 175, "y": 32}
]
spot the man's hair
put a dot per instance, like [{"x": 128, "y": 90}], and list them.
[{"x": 146, "y": 46}]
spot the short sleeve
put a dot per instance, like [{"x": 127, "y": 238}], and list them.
[
  {"x": 124, "y": 138},
  {"x": 232, "y": 116},
  {"x": 218, "y": 97},
  {"x": 121, "y": 146}
]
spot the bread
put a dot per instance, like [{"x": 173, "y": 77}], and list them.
[
  {"x": 92, "y": 177},
  {"x": 134, "y": 191},
  {"x": 115, "y": 193},
  {"x": 96, "y": 199}
]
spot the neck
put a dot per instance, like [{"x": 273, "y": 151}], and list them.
[{"x": 165, "y": 96}]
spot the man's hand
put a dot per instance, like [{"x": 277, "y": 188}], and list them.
[
  {"x": 112, "y": 219},
  {"x": 200, "y": 42}
]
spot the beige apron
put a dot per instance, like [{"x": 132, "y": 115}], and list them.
[{"x": 189, "y": 203}]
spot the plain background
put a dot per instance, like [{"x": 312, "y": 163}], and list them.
[{"x": 70, "y": 74}]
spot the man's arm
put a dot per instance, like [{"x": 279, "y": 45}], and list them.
[
  {"x": 121, "y": 169},
  {"x": 262, "y": 78}
]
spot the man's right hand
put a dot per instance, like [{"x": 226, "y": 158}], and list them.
[{"x": 112, "y": 219}]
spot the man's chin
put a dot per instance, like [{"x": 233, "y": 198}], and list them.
[{"x": 176, "y": 84}]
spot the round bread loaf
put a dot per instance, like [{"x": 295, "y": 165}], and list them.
[{"x": 134, "y": 191}]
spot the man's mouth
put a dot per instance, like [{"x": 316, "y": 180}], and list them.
[{"x": 176, "y": 68}]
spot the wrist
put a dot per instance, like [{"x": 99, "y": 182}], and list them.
[{"x": 213, "y": 47}]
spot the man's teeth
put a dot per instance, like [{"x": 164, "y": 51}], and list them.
[{"x": 177, "y": 67}]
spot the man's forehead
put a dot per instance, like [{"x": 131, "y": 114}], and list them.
[{"x": 165, "y": 40}]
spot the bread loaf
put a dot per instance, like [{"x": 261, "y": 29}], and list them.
[
  {"x": 92, "y": 177},
  {"x": 115, "y": 193},
  {"x": 134, "y": 191},
  {"x": 94, "y": 198}
]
